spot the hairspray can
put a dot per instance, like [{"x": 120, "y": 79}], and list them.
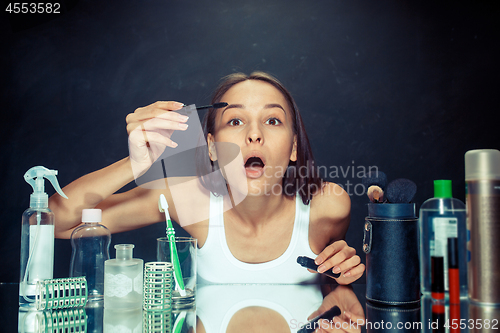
[{"x": 482, "y": 177}]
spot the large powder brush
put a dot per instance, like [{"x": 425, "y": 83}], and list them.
[{"x": 400, "y": 191}]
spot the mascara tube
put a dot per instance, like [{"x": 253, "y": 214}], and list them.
[{"x": 309, "y": 263}]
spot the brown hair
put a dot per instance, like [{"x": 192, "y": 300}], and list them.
[{"x": 294, "y": 179}]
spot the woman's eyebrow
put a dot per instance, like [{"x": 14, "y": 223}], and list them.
[
  {"x": 274, "y": 105},
  {"x": 241, "y": 106},
  {"x": 232, "y": 106}
]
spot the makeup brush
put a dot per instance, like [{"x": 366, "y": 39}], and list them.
[
  {"x": 400, "y": 191},
  {"x": 375, "y": 183}
]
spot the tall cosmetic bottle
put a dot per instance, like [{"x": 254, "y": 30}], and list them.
[
  {"x": 441, "y": 217},
  {"x": 37, "y": 235},
  {"x": 482, "y": 177}
]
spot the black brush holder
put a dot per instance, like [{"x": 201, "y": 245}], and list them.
[{"x": 391, "y": 246}]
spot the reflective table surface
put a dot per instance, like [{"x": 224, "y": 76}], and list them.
[{"x": 257, "y": 308}]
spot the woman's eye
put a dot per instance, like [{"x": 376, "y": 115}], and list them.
[
  {"x": 234, "y": 122},
  {"x": 273, "y": 121}
]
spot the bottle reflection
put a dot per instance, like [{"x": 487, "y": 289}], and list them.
[
  {"x": 125, "y": 321},
  {"x": 483, "y": 318},
  {"x": 438, "y": 317},
  {"x": 95, "y": 317},
  {"x": 463, "y": 317}
]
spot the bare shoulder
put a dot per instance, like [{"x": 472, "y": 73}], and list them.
[
  {"x": 332, "y": 203},
  {"x": 329, "y": 216}
]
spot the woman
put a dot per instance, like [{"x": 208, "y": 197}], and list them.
[{"x": 261, "y": 234}]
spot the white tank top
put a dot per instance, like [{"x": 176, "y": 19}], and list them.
[{"x": 216, "y": 263}]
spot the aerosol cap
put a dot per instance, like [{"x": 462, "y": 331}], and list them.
[{"x": 482, "y": 164}]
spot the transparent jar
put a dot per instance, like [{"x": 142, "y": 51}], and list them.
[{"x": 123, "y": 279}]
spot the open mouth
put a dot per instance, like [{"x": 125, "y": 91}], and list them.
[
  {"x": 254, "y": 167},
  {"x": 254, "y": 162}
]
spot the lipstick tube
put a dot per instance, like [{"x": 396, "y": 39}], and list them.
[{"x": 453, "y": 273}]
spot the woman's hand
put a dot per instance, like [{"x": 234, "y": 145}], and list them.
[
  {"x": 343, "y": 259},
  {"x": 149, "y": 129},
  {"x": 352, "y": 315}
]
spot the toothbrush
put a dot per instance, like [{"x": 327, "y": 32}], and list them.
[
  {"x": 179, "y": 283},
  {"x": 179, "y": 322}
]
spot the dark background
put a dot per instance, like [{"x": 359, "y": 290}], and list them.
[{"x": 406, "y": 86}]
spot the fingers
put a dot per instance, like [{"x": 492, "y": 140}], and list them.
[
  {"x": 150, "y": 129},
  {"x": 341, "y": 258},
  {"x": 350, "y": 325},
  {"x": 346, "y": 265},
  {"x": 329, "y": 251},
  {"x": 159, "y": 124},
  {"x": 358, "y": 319},
  {"x": 333, "y": 255},
  {"x": 157, "y": 111},
  {"x": 157, "y": 141},
  {"x": 355, "y": 268},
  {"x": 164, "y": 106},
  {"x": 154, "y": 110},
  {"x": 347, "y": 322}
]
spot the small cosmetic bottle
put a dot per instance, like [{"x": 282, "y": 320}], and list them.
[
  {"x": 123, "y": 279},
  {"x": 440, "y": 218}
]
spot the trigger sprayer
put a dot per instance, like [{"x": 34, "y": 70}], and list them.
[{"x": 37, "y": 234}]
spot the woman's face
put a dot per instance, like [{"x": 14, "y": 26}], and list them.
[{"x": 259, "y": 121}]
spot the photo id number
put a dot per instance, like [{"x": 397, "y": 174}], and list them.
[
  {"x": 472, "y": 324},
  {"x": 33, "y": 8}
]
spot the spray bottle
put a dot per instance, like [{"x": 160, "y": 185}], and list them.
[{"x": 37, "y": 235}]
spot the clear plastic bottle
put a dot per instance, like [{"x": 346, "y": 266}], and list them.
[
  {"x": 37, "y": 235},
  {"x": 440, "y": 218},
  {"x": 90, "y": 242},
  {"x": 123, "y": 279}
]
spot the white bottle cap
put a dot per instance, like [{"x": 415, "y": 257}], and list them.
[
  {"x": 91, "y": 215},
  {"x": 482, "y": 164}
]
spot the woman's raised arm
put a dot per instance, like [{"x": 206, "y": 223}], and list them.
[{"x": 149, "y": 130}]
